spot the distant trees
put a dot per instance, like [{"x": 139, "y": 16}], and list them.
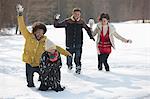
[
  {"x": 44, "y": 10},
  {"x": 6, "y": 15}
]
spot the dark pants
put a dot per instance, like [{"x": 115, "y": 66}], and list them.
[
  {"x": 102, "y": 59},
  {"x": 77, "y": 58},
  {"x": 29, "y": 74}
]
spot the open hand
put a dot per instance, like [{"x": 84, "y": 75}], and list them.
[
  {"x": 57, "y": 16},
  {"x": 19, "y": 9}
]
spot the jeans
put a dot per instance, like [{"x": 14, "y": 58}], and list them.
[
  {"x": 29, "y": 74},
  {"x": 77, "y": 57}
]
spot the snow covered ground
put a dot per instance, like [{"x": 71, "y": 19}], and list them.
[{"x": 129, "y": 77}]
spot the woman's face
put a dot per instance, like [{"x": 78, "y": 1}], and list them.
[
  {"x": 104, "y": 21},
  {"x": 39, "y": 33}
]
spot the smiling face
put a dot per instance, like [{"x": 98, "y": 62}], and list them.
[
  {"x": 38, "y": 29},
  {"x": 76, "y": 15},
  {"x": 39, "y": 33}
]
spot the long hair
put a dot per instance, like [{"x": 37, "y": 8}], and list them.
[{"x": 104, "y": 15}]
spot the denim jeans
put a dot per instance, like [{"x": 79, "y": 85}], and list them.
[
  {"x": 77, "y": 58},
  {"x": 29, "y": 73}
]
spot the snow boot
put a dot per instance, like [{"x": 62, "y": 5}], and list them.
[
  {"x": 78, "y": 69},
  {"x": 69, "y": 67},
  {"x": 43, "y": 87},
  {"x": 107, "y": 69},
  {"x": 58, "y": 89},
  {"x": 99, "y": 68},
  {"x": 30, "y": 85}
]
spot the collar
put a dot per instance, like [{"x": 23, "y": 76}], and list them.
[
  {"x": 72, "y": 18},
  {"x": 99, "y": 24}
]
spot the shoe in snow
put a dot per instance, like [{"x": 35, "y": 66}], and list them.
[
  {"x": 78, "y": 69},
  {"x": 30, "y": 85},
  {"x": 70, "y": 67}
]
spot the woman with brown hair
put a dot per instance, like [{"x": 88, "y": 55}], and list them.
[{"x": 105, "y": 40}]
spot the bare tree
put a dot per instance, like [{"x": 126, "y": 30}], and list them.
[{"x": 44, "y": 10}]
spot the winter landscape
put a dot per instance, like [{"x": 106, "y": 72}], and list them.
[{"x": 129, "y": 76}]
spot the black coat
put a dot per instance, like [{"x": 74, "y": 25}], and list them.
[
  {"x": 50, "y": 71},
  {"x": 74, "y": 32}
]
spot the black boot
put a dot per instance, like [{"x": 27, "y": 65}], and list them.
[
  {"x": 100, "y": 67},
  {"x": 106, "y": 67},
  {"x": 70, "y": 67},
  {"x": 30, "y": 85},
  {"x": 43, "y": 87},
  {"x": 58, "y": 89}
]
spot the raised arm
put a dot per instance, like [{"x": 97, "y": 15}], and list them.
[
  {"x": 22, "y": 27},
  {"x": 58, "y": 24}
]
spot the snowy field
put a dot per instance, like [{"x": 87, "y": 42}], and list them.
[{"x": 129, "y": 77}]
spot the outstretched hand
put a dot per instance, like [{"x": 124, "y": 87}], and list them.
[
  {"x": 19, "y": 9},
  {"x": 57, "y": 16},
  {"x": 91, "y": 22}
]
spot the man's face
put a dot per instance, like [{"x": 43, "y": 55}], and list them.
[
  {"x": 77, "y": 15},
  {"x": 104, "y": 21},
  {"x": 39, "y": 33}
]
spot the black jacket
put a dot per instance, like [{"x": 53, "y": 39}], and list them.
[{"x": 74, "y": 32}]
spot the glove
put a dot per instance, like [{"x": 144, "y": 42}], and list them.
[
  {"x": 129, "y": 41},
  {"x": 91, "y": 22},
  {"x": 19, "y": 9},
  {"x": 57, "y": 16},
  {"x": 92, "y": 39}
]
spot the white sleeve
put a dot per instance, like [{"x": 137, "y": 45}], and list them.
[{"x": 113, "y": 29}]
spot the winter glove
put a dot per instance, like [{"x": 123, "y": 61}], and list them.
[
  {"x": 91, "y": 22},
  {"x": 19, "y": 9},
  {"x": 57, "y": 16},
  {"x": 129, "y": 41}
]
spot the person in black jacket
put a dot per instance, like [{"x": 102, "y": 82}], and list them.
[{"x": 74, "y": 36}]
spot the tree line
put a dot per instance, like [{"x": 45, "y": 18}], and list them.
[{"x": 44, "y": 10}]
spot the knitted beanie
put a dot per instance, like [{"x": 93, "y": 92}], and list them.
[{"x": 49, "y": 45}]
